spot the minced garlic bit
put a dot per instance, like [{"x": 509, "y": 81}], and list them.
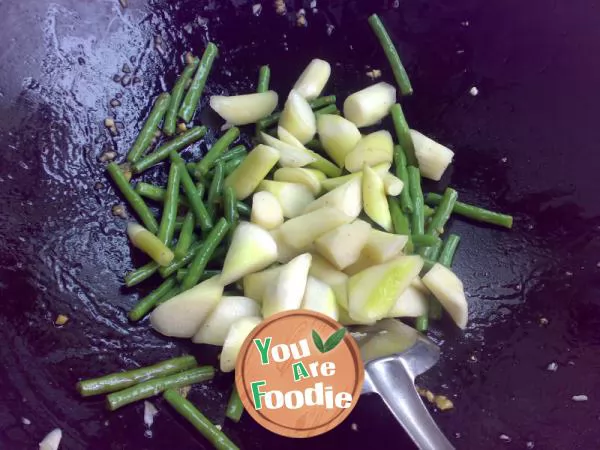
[
  {"x": 218, "y": 427},
  {"x": 149, "y": 412},
  {"x": 280, "y": 7},
  {"x": 443, "y": 403},
  {"x": 552, "y": 367},
  {"x": 580, "y": 398},
  {"x": 301, "y": 18},
  {"x": 543, "y": 321},
  {"x": 374, "y": 74},
  {"x": 61, "y": 319},
  {"x": 474, "y": 91},
  {"x": 119, "y": 211},
  {"x": 184, "y": 391},
  {"x": 354, "y": 426},
  {"x": 109, "y": 122},
  {"x": 189, "y": 58},
  {"x": 256, "y": 9},
  {"x": 181, "y": 127},
  {"x": 25, "y": 421}
]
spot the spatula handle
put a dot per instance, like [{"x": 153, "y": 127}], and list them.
[{"x": 395, "y": 385}]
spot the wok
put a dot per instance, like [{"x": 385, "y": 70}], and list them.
[{"x": 526, "y": 144}]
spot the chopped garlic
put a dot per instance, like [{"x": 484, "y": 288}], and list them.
[
  {"x": 552, "y": 367},
  {"x": 256, "y": 9},
  {"x": 374, "y": 74},
  {"x": 61, "y": 319},
  {"x": 580, "y": 398},
  {"x": 474, "y": 91},
  {"x": 443, "y": 403},
  {"x": 25, "y": 421},
  {"x": 280, "y": 7},
  {"x": 149, "y": 412},
  {"x": 354, "y": 426}
]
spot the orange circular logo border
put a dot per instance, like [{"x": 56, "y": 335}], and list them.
[{"x": 243, "y": 384}]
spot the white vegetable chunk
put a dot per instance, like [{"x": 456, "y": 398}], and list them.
[
  {"x": 382, "y": 246},
  {"x": 313, "y": 79},
  {"x": 449, "y": 290},
  {"x": 298, "y": 118},
  {"x": 266, "y": 211},
  {"x": 52, "y": 440},
  {"x": 433, "y": 158},
  {"x": 392, "y": 184},
  {"x": 332, "y": 183},
  {"x": 374, "y": 199},
  {"x": 229, "y": 310},
  {"x": 287, "y": 137},
  {"x": 411, "y": 303},
  {"x": 311, "y": 178},
  {"x": 342, "y": 245},
  {"x": 373, "y": 292},
  {"x": 319, "y": 296},
  {"x": 289, "y": 155},
  {"x": 182, "y": 315},
  {"x": 237, "y": 334},
  {"x": 338, "y": 136},
  {"x": 255, "y": 167},
  {"x": 252, "y": 249},
  {"x": 244, "y": 109},
  {"x": 255, "y": 284},
  {"x": 369, "y": 106},
  {"x": 372, "y": 149},
  {"x": 302, "y": 231},
  {"x": 287, "y": 291},
  {"x": 347, "y": 198},
  {"x": 285, "y": 252},
  {"x": 292, "y": 197}
]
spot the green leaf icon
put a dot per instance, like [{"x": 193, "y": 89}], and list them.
[
  {"x": 333, "y": 340},
  {"x": 318, "y": 341}
]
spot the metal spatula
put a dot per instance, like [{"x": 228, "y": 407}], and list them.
[{"x": 394, "y": 354}]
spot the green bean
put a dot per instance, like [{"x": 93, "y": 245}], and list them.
[
  {"x": 208, "y": 161},
  {"x": 232, "y": 164},
  {"x": 427, "y": 211},
  {"x": 175, "y": 290},
  {"x": 329, "y": 109},
  {"x": 414, "y": 184},
  {"x": 174, "y": 145},
  {"x": 422, "y": 323},
  {"x": 320, "y": 102},
  {"x": 230, "y": 206},
  {"x": 216, "y": 186},
  {"x": 184, "y": 407},
  {"x": 402, "y": 173},
  {"x": 424, "y": 240},
  {"x": 403, "y": 135},
  {"x": 392, "y": 55},
  {"x": 399, "y": 220},
  {"x": 449, "y": 250},
  {"x": 181, "y": 262},
  {"x": 177, "y": 96},
  {"x": 140, "y": 274},
  {"x": 315, "y": 144},
  {"x": 169, "y": 214},
  {"x": 435, "y": 308},
  {"x": 146, "y": 304},
  {"x": 235, "y": 152},
  {"x": 153, "y": 387},
  {"x": 117, "y": 381},
  {"x": 134, "y": 199},
  {"x": 178, "y": 223},
  {"x": 243, "y": 209},
  {"x": 474, "y": 212},
  {"x": 442, "y": 212},
  {"x": 201, "y": 258},
  {"x": 156, "y": 193},
  {"x": 181, "y": 273},
  {"x": 146, "y": 135},
  {"x": 190, "y": 102},
  {"x": 264, "y": 76},
  {"x": 203, "y": 219},
  {"x": 185, "y": 236},
  {"x": 268, "y": 121},
  {"x": 235, "y": 407},
  {"x": 435, "y": 250}
]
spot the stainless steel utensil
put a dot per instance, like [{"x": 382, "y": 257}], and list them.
[{"x": 394, "y": 354}]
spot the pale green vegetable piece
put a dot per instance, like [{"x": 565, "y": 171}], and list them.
[
  {"x": 313, "y": 79},
  {"x": 266, "y": 210},
  {"x": 237, "y": 334},
  {"x": 342, "y": 245},
  {"x": 374, "y": 199},
  {"x": 289, "y": 155},
  {"x": 370, "y": 105},
  {"x": 292, "y": 197},
  {"x": 346, "y": 198},
  {"x": 319, "y": 296},
  {"x": 449, "y": 290},
  {"x": 372, "y": 292},
  {"x": 338, "y": 136},
  {"x": 411, "y": 303},
  {"x": 433, "y": 158},
  {"x": 372, "y": 149},
  {"x": 287, "y": 291},
  {"x": 302, "y": 231},
  {"x": 321, "y": 269},
  {"x": 254, "y": 168},
  {"x": 298, "y": 118},
  {"x": 311, "y": 178},
  {"x": 149, "y": 244},
  {"x": 332, "y": 183},
  {"x": 256, "y": 283},
  {"x": 244, "y": 109}
]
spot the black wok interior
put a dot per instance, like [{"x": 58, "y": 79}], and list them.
[{"x": 526, "y": 145}]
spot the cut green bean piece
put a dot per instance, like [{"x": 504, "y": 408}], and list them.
[
  {"x": 190, "y": 102},
  {"x": 176, "y": 290},
  {"x": 181, "y": 273},
  {"x": 148, "y": 131},
  {"x": 233, "y": 164},
  {"x": 243, "y": 209},
  {"x": 140, "y": 274},
  {"x": 156, "y": 193},
  {"x": 474, "y": 212},
  {"x": 216, "y": 186},
  {"x": 264, "y": 77},
  {"x": 321, "y": 102},
  {"x": 424, "y": 240},
  {"x": 414, "y": 183},
  {"x": 146, "y": 304},
  {"x": 175, "y": 145},
  {"x": 400, "y": 222},
  {"x": 186, "y": 236},
  {"x": 134, "y": 199},
  {"x": 204, "y": 254},
  {"x": 402, "y": 173},
  {"x": 427, "y": 211},
  {"x": 329, "y": 109},
  {"x": 442, "y": 212},
  {"x": 153, "y": 387},
  {"x": 182, "y": 262},
  {"x": 392, "y": 55},
  {"x": 217, "y": 150},
  {"x": 403, "y": 135},
  {"x": 448, "y": 251},
  {"x": 177, "y": 94},
  {"x": 315, "y": 144},
  {"x": 178, "y": 223},
  {"x": 235, "y": 407},
  {"x": 235, "y": 152},
  {"x": 201, "y": 215},
  {"x": 184, "y": 407},
  {"x": 117, "y": 381},
  {"x": 422, "y": 323},
  {"x": 166, "y": 230}
]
